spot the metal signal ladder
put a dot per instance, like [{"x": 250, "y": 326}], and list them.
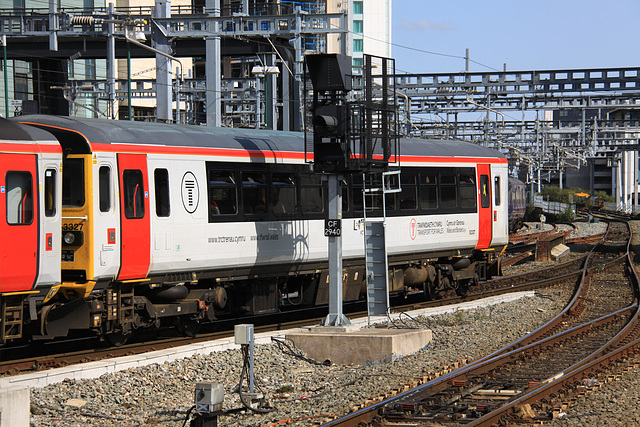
[{"x": 377, "y": 265}]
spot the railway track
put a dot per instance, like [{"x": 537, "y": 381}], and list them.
[
  {"x": 41, "y": 358},
  {"x": 531, "y": 378},
  {"x": 29, "y": 358}
]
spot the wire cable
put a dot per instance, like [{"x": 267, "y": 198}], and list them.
[
  {"x": 188, "y": 415},
  {"x": 291, "y": 350},
  {"x": 262, "y": 408}
]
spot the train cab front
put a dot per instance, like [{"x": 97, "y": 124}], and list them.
[
  {"x": 66, "y": 307},
  {"x": 76, "y": 218}
]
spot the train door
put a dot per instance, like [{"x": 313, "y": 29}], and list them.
[
  {"x": 500, "y": 205},
  {"x": 50, "y": 218},
  {"x": 106, "y": 216},
  {"x": 135, "y": 231},
  {"x": 484, "y": 206},
  {"x": 19, "y": 228}
]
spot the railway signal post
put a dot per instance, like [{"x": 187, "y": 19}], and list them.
[
  {"x": 349, "y": 137},
  {"x": 331, "y": 80}
]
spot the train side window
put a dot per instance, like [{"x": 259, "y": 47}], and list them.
[
  {"x": 346, "y": 193},
  {"x": 19, "y": 198},
  {"x": 133, "y": 193},
  {"x": 390, "y": 181},
  {"x": 311, "y": 194},
  {"x": 356, "y": 192},
  {"x": 50, "y": 176},
  {"x": 283, "y": 194},
  {"x": 254, "y": 193},
  {"x": 73, "y": 182},
  {"x": 467, "y": 188},
  {"x": 408, "y": 197},
  {"x": 104, "y": 182},
  {"x": 428, "y": 191},
  {"x": 485, "y": 192},
  {"x": 161, "y": 181},
  {"x": 223, "y": 196},
  {"x": 496, "y": 191},
  {"x": 448, "y": 190}
]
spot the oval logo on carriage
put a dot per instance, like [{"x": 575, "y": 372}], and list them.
[
  {"x": 412, "y": 229},
  {"x": 190, "y": 192}
]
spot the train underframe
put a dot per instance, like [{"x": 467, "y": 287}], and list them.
[{"x": 115, "y": 310}]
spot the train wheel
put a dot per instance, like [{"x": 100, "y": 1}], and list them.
[
  {"x": 462, "y": 289},
  {"x": 476, "y": 280},
  {"x": 117, "y": 339},
  {"x": 188, "y": 327}
]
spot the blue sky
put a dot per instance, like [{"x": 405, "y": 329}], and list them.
[{"x": 526, "y": 35}]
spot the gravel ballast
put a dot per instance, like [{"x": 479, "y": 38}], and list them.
[
  {"x": 162, "y": 394},
  {"x": 301, "y": 392}
]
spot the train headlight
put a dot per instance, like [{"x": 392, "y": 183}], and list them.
[
  {"x": 72, "y": 238},
  {"x": 69, "y": 238}
]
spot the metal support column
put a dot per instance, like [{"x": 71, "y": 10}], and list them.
[
  {"x": 111, "y": 66},
  {"x": 298, "y": 70},
  {"x": 6, "y": 75},
  {"x": 335, "y": 316},
  {"x": 271, "y": 94},
  {"x": 129, "y": 106},
  {"x": 53, "y": 25},
  {"x": 163, "y": 65},
  {"x": 213, "y": 67},
  {"x": 636, "y": 180},
  {"x": 286, "y": 98},
  {"x": 618, "y": 169}
]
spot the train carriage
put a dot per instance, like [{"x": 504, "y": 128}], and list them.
[
  {"x": 30, "y": 188},
  {"x": 517, "y": 204},
  {"x": 191, "y": 223}
]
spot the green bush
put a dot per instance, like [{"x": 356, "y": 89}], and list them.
[
  {"x": 552, "y": 193},
  {"x": 567, "y": 216}
]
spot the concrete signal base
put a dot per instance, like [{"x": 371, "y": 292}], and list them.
[
  {"x": 15, "y": 406},
  {"x": 348, "y": 345}
]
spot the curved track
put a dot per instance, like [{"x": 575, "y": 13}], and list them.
[{"x": 528, "y": 378}]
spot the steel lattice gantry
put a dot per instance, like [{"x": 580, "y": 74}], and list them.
[
  {"x": 526, "y": 113},
  {"x": 177, "y": 32}
]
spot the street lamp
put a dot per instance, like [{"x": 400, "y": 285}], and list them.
[{"x": 261, "y": 71}]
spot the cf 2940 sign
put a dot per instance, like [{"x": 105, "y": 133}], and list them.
[{"x": 332, "y": 227}]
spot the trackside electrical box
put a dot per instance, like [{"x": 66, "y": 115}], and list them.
[
  {"x": 209, "y": 397},
  {"x": 243, "y": 334}
]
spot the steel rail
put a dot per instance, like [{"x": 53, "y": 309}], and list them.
[
  {"x": 512, "y": 351},
  {"x": 612, "y": 351}
]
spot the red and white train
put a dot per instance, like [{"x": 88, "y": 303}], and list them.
[{"x": 114, "y": 225}]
